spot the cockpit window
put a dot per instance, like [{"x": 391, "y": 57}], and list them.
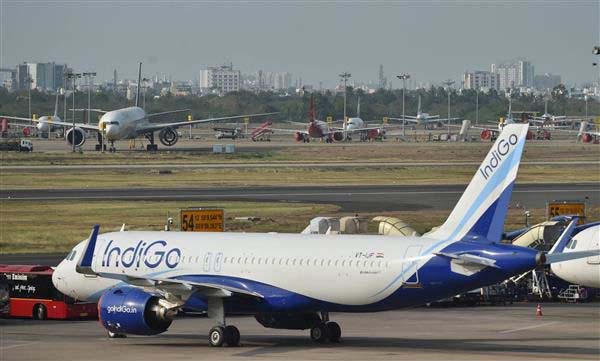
[{"x": 113, "y": 122}]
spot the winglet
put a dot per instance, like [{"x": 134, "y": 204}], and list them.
[
  {"x": 565, "y": 237},
  {"x": 84, "y": 265}
]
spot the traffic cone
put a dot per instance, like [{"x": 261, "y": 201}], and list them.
[{"x": 538, "y": 311}]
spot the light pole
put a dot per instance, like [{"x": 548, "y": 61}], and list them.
[
  {"x": 29, "y": 82},
  {"x": 345, "y": 76},
  {"x": 88, "y": 77},
  {"x": 73, "y": 77},
  {"x": 586, "y": 106},
  {"x": 476, "y": 106},
  {"x": 403, "y": 77},
  {"x": 448, "y": 84},
  {"x": 145, "y": 80}
]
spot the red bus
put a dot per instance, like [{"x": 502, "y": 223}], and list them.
[{"x": 32, "y": 294}]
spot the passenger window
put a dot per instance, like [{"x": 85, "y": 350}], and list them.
[
  {"x": 336, "y": 262},
  {"x": 343, "y": 263},
  {"x": 329, "y": 263},
  {"x": 224, "y": 260},
  {"x": 287, "y": 261},
  {"x": 300, "y": 261},
  {"x": 259, "y": 260},
  {"x": 350, "y": 263},
  {"x": 574, "y": 244},
  {"x": 197, "y": 259},
  {"x": 322, "y": 262}
]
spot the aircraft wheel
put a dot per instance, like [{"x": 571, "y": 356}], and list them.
[
  {"x": 115, "y": 335},
  {"x": 231, "y": 335},
  {"x": 318, "y": 333},
  {"x": 40, "y": 312},
  {"x": 216, "y": 336},
  {"x": 334, "y": 331}
]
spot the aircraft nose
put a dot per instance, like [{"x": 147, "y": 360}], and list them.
[{"x": 58, "y": 278}]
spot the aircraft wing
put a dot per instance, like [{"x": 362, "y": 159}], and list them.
[
  {"x": 91, "y": 110},
  {"x": 16, "y": 118},
  {"x": 408, "y": 119},
  {"x": 180, "y": 287},
  {"x": 159, "y": 126},
  {"x": 78, "y": 125},
  {"x": 167, "y": 112}
]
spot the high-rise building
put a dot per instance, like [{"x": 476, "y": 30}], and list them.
[
  {"x": 43, "y": 76},
  {"x": 223, "y": 79},
  {"x": 514, "y": 74},
  {"x": 481, "y": 80},
  {"x": 282, "y": 81},
  {"x": 546, "y": 81}
]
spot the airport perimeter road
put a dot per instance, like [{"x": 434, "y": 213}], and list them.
[
  {"x": 565, "y": 332},
  {"x": 349, "y": 198}
]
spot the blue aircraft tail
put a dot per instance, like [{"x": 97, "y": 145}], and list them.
[{"x": 481, "y": 211}]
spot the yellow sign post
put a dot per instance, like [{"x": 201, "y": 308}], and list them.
[
  {"x": 386, "y": 120},
  {"x": 202, "y": 220},
  {"x": 566, "y": 208},
  {"x": 329, "y": 120}
]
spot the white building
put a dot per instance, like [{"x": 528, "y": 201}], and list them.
[
  {"x": 515, "y": 74},
  {"x": 479, "y": 79},
  {"x": 44, "y": 76},
  {"x": 223, "y": 79}
]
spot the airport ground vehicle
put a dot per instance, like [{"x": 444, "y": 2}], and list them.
[
  {"x": 17, "y": 144},
  {"x": 32, "y": 294}
]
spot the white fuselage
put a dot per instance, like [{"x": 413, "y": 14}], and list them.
[
  {"x": 44, "y": 124},
  {"x": 349, "y": 270},
  {"x": 583, "y": 271},
  {"x": 355, "y": 124},
  {"x": 122, "y": 123}
]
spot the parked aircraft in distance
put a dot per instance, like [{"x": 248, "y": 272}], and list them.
[
  {"x": 293, "y": 281},
  {"x": 322, "y": 130},
  {"x": 425, "y": 119},
  {"x": 44, "y": 124},
  {"x": 133, "y": 122}
]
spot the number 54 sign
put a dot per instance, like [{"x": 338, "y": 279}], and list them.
[{"x": 202, "y": 220}]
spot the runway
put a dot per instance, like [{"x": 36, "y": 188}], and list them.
[
  {"x": 272, "y": 164},
  {"x": 565, "y": 332},
  {"x": 349, "y": 198}
]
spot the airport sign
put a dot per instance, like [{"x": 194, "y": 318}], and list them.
[
  {"x": 202, "y": 220},
  {"x": 566, "y": 208}
]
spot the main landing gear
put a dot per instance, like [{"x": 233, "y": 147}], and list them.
[
  {"x": 326, "y": 330},
  {"x": 221, "y": 334},
  {"x": 151, "y": 146}
]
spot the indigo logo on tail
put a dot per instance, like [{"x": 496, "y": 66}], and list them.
[{"x": 502, "y": 149}]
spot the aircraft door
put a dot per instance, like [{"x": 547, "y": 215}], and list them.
[{"x": 409, "y": 269}]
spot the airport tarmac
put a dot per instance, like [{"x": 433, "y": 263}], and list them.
[
  {"x": 349, "y": 198},
  {"x": 565, "y": 332}
]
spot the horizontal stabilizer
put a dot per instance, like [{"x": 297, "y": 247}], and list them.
[{"x": 466, "y": 258}]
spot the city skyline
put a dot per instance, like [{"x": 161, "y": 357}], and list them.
[{"x": 445, "y": 40}]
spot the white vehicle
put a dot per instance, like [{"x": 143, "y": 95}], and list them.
[
  {"x": 583, "y": 271},
  {"x": 293, "y": 281},
  {"x": 132, "y": 122},
  {"x": 25, "y": 145}
]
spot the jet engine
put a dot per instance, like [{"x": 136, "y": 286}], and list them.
[
  {"x": 300, "y": 137},
  {"x": 288, "y": 321},
  {"x": 129, "y": 310},
  {"x": 168, "y": 136},
  {"x": 75, "y": 133},
  {"x": 338, "y": 136}
]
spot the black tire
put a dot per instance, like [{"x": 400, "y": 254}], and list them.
[
  {"x": 115, "y": 335},
  {"x": 232, "y": 336},
  {"x": 216, "y": 336},
  {"x": 334, "y": 331},
  {"x": 40, "y": 312},
  {"x": 318, "y": 333}
]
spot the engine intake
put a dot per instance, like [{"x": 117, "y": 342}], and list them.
[
  {"x": 288, "y": 321},
  {"x": 77, "y": 134},
  {"x": 338, "y": 136},
  {"x": 133, "y": 311},
  {"x": 168, "y": 136},
  {"x": 300, "y": 137}
]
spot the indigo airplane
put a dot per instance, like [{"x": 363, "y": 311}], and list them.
[{"x": 293, "y": 281}]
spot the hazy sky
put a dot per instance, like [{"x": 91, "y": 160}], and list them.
[{"x": 432, "y": 41}]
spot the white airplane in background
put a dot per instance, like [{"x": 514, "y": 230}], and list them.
[
  {"x": 293, "y": 281},
  {"x": 44, "y": 124},
  {"x": 583, "y": 271},
  {"x": 320, "y": 129},
  {"x": 424, "y": 118},
  {"x": 133, "y": 122}
]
